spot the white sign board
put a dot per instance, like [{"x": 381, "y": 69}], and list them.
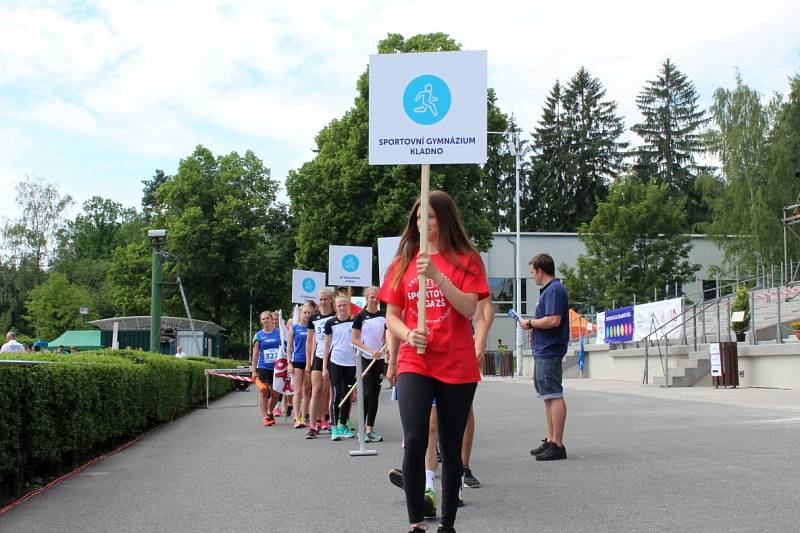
[
  {"x": 306, "y": 285},
  {"x": 427, "y": 108},
  {"x": 737, "y": 316},
  {"x": 661, "y": 317},
  {"x": 601, "y": 329},
  {"x": 350, "y": 265},
  {"x": 387, "y": 248},
  {"x": 716, "y": 361}
]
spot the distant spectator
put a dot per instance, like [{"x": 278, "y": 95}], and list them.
[
  {"x": 72, "y": 349},
  {"x": 179, "y": 352},
  {"x": 11, "y": 344}
]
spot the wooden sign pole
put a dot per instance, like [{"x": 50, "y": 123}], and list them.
[{"x": 424, "y": 192}]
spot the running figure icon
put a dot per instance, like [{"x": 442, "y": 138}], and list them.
[{"x": 428, "y": 101}]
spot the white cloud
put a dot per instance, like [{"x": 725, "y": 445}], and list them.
[{"x": 151, "y": 79}]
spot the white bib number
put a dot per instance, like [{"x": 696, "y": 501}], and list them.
[{"x": 270, "y": 354}]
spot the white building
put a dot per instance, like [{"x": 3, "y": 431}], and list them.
[{"x": 565, "y": 248}]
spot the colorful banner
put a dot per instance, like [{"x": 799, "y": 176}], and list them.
[{"x": 619, "y": 325}]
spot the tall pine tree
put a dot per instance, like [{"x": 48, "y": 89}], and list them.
[
  {"x": 672, "y": 135},
  {"x": 596, "y": 155},
  {"x": 577, "y": 154},
  {"x": 547, "y": 184}
]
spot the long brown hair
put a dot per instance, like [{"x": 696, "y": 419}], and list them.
[{"x": 453, "y": 237}]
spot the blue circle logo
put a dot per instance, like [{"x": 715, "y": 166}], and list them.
[
  {"x": 350, "y": 263},
  {"x": 426, "y": 99},
  {"x": 309, "y": 285}
]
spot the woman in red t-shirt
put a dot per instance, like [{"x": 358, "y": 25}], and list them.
[{"x": 448, "y": 370}]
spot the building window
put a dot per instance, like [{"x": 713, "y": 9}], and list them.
[{"x": 501, "y": 290}]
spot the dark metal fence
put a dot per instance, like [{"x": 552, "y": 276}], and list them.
[{"x": 498, "y": 364}]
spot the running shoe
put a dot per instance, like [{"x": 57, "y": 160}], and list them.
[
  {"x": 349, "y": 425},
  {"x": 265, "y": 421},
  {"x": 345, "y": 432},
  {"x": 288, "y": 412},
  {"x": 336, "y": 433},
  {"x": 429, "y": 506},
  {"x": 542, "y": 447},
  {"x": 276, "y": 411},
  {"x": 311, "y": 434},
  {"x": 299, "y": 422},
  {"x": 373, "y": 436},
  {"x": 269, "y": 421},
  {"x": 470, "y": 481},
  {"x": 396, "y": 477},
  {"x": 325, "y": 426},
  {"x": 553, "y": 453}
]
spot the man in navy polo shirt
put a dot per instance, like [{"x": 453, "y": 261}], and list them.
[{"x": 550, "y": 328}]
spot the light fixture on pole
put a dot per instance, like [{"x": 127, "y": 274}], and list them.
[{"x": 519, "y": 153}]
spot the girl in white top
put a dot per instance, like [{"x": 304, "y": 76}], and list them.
[
  {"x": 369, "y": 334},
  {"x": 315, "y": 347},
  {"x": 340, "y": 361}
]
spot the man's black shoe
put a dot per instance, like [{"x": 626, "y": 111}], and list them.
[
  {"x": 396, "y": 477},
  {"x": 542, "y": 447},
  {"x": 553, "y": 453}
]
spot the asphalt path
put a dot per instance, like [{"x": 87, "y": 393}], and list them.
[{"x": 639, "y": 460}]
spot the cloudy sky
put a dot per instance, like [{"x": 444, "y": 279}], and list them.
[{"x": 96, "y": 95}]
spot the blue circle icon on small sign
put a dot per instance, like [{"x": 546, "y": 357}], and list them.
[
  {"x": 309, "y": 285},
  {"x": 426, "y": 99},
  {"x": 350, "y": 263}
]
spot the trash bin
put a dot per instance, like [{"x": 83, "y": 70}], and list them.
[{"x": 724, "y": 364}]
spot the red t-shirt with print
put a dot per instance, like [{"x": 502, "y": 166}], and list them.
[{"x": 450, "y": 353}]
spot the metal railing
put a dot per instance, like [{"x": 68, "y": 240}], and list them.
[{"x": 782, "y": 295}]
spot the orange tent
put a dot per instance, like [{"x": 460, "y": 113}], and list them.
[{"x": 578, "y": 326}]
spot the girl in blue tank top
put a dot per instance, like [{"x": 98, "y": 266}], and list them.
[
  {"x": 266, "y": 346},
  {"x": 301, "y": 377}
]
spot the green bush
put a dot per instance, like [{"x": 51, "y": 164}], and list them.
[
  {"x": 53, "y": 415},
  {"x": 741, "y": 302}
]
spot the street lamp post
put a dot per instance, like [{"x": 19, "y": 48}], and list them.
[
  {"x": 157, "y": 238},
  {"x": 514, "y": 146},
  {"x": 518, "y": 155}
]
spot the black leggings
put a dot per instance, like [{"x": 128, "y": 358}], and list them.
[
  {"x": 415, "y": 393},
  {"x": 342, "y": 378},
  {"x": 372, "y": 388}
]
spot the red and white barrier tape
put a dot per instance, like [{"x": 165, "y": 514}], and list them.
[{"x": 234, "y": 377}]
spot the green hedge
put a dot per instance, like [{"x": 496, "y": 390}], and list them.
[{"x": 54, "y": 415}]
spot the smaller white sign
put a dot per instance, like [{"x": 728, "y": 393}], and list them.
[
  {"x": 737, "y": 316},
  {"x": 350, "y": 265},
  {"x": 306, "y": 285},
  {"x": 716, "y": 361},
  {"x": 387, "y": 249}
]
